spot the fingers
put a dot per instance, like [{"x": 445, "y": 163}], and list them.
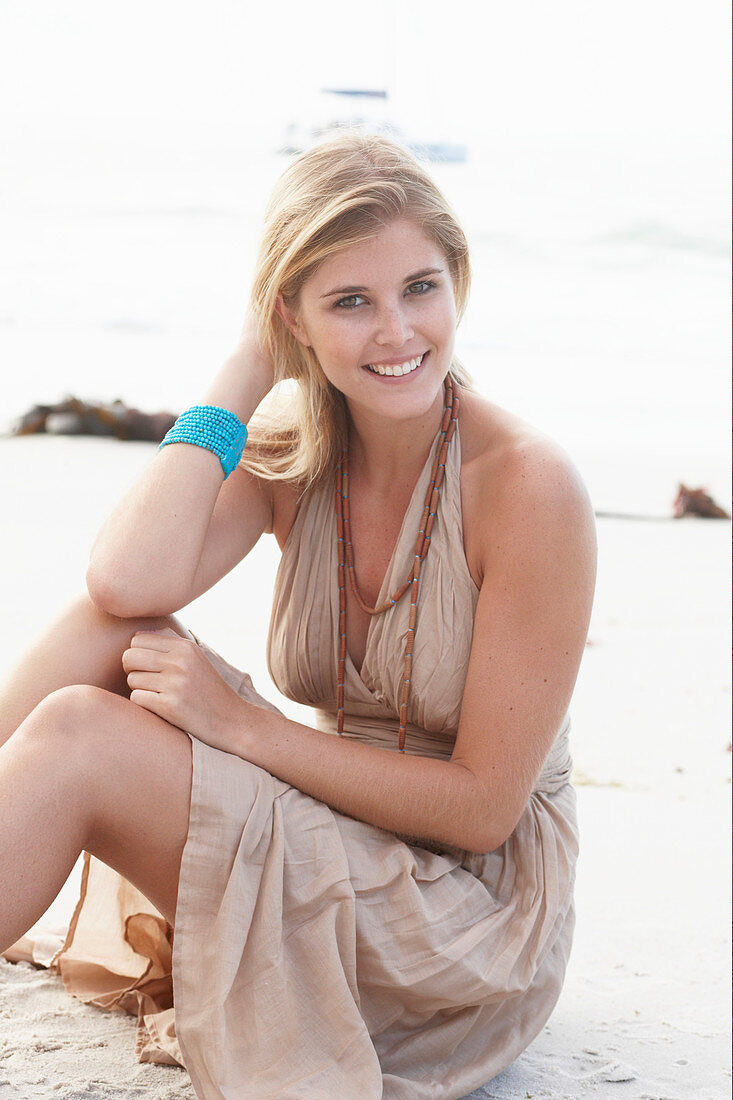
[
  {"x": 159, "y": 702},
  {"x": 161, "y": 640},
  {"x": 148, "y": 649},
  {"x": 147, "y": 699},
  {"x": 152, "y": 701},
  {"x": 144, "y": 681},
  {"x": 152, "y": 654},
  {"x": 142, "y": 660},
  {"x": 160, "y": 668}
]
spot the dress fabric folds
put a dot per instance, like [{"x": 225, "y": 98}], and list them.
[{"x": 315, "y": 955}]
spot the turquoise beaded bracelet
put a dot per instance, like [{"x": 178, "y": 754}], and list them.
[{"x": 216, "y": 429}]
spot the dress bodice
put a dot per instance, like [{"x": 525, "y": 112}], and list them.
[{"x": 303, "y": 642}]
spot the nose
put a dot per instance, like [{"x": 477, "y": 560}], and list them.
[{"x": 394, "y": 328}]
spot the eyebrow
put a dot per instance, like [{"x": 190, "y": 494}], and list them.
[{"x": 360, "y": 289}]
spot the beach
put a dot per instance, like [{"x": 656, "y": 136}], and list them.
[
  {"x": 140, "y": 147},
  {"x": 644, "y": 1010}
]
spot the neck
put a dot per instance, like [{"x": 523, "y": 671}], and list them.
[{"x": 385, "y": 453}]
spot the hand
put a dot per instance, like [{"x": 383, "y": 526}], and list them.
[
  {"x": 246, "y": 376},
  {"x": 170, "y": 676},
  {"x": 249, "y": 347}
]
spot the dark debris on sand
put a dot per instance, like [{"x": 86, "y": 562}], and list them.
[
  {"x": 72, "y": 416},
  {"x": 696, "y": 502}
]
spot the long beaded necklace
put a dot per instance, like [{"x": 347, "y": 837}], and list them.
[{"x": 346, "y": 559}]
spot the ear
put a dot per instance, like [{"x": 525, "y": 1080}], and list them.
[{"x": 291, "y": 322}]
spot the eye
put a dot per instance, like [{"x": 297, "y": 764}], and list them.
[
  {"x": 350, "y": 302},
  {"x": 421, "y": 287}
]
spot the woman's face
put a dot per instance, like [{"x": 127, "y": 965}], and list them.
[{"x": 381, "y": 317}]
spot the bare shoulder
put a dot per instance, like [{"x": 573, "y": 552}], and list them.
[{"x": 519, "y": 488}]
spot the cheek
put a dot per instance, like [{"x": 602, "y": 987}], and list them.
[
  {"x": 439, "y": 321},
  {"x": 338, "y": 339},
  {"x": 438, "y": 308}
]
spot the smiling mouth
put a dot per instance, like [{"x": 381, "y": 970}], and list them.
[{"x": 399, "y": 370}]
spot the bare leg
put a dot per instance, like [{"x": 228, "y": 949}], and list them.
[
  {"x": 90, "y": 770},
  {"x": 84, "y": 646}
]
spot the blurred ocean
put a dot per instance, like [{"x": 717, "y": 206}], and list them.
[{"x": 599, "y": 309}]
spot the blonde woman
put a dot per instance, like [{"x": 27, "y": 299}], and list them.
[{"x": 379, "y": 904}]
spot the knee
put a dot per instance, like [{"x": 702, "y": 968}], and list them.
[
  {"x": 70, "y": 720},
  {"x": 88, "y": 615},
  {"x": 83, "y": 605},
  {"x": 91, "y": 617}
]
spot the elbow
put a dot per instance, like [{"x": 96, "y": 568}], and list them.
[
  {"x": 481, "y": 835},
  {"x": 488, "y": 823},
  {"x": 481, "y": 841},
  {"x": 502, "y": 827},
  {"x": 108, "y": 594},
  {"x": 498, "y": 827},
  {"x": 117, "y": 596}
]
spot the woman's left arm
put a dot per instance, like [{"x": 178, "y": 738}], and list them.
[
  {"x": 537, "y": 540},
  {"x": 538, "y": 563}
]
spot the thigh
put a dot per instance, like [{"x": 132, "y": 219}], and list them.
[
  {"x": 139, "y": 810},
  {"x": 84, "y": 645}
]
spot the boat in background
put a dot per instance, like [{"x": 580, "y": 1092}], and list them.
[{"x": 335, "y": 109}]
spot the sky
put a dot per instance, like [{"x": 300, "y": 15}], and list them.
[{"x": 525, "y": 67}]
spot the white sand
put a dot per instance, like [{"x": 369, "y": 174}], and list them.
[{"x": 644, "y": 1013}]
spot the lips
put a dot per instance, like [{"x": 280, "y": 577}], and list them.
[{"x": 397, "y": 370}]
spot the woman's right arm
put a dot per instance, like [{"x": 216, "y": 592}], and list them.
[{"x": 181, "y": 527}]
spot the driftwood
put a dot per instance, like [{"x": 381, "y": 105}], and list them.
[
  {"x": 73, "y": 416},
  {"x": 688, "y": 502},
  {"x": 696, "y": 502},
  {"x": 116, "y": 420}
]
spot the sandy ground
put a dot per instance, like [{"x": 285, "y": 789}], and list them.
[{"x": 644, "y": 1012}]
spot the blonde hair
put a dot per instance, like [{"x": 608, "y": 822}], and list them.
[{"x": 339, "y": 193}]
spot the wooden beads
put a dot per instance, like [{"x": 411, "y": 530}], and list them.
[{"x": 346, "y": 561}]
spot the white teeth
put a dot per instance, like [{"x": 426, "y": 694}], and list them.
[{"x": 400, "y": 370}]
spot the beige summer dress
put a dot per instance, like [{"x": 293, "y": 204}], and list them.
[{"x": 317, "y": 956}]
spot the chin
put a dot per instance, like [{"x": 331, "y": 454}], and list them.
[{"x": 414, "y": 406}]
